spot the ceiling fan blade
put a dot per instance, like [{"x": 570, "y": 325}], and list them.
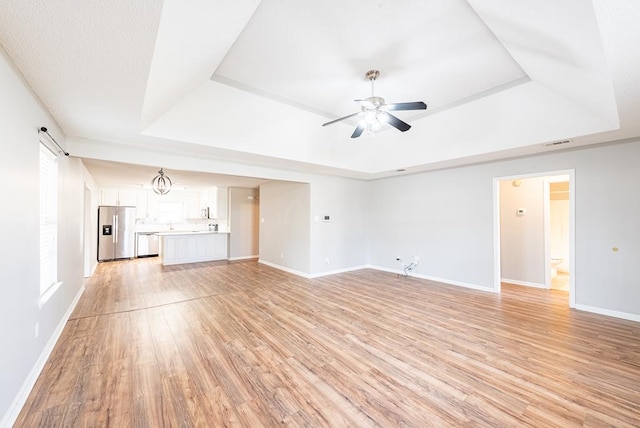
[
  {"x": 396, "y": 123},
  {"x": 417, "y": 105},
  {"x": 358, "y": 131},
  {"x": 366, "y": 103},
  {"x": 340, "y": 119}
]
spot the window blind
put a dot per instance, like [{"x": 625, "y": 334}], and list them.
[{"x": 48, "y": 218}]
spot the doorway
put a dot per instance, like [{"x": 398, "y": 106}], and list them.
[
  {"x": 557, "y": 201},
  {"x": 534, "y": 237}
]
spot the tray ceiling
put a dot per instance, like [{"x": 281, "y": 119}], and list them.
[{"x": 256, "y": 79}]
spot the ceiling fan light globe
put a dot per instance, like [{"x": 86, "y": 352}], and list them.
[{"x": 370, "y": 117}]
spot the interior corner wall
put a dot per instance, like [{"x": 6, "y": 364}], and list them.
[
  {"x": 446, "y": 218},
  {"x": 21, "y": 115},
  {"x": 92, "y": 239},
  {"x": 284, "y": 238},
  {"x": 522, "y": 246},
  {"x": 244, "y": 222},
  {"x": 341, "y": 243}
]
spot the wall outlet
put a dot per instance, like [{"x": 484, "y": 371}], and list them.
[
  {"x": 282, "y": 255},
  {"x": 37, "y": 329},
  {"x": 416, "y": 259},
  {"x": 326, "y": 260}
]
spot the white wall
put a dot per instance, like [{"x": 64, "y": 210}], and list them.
[
  {"x": 443, "y": 217},
  {"x": 343, "y": 240},
  {"x": 284, "y": 225},
  {"x": 294, "y": 225},
  {"x": 21, "y": 114},
  {"x": 522, "y": 243},
  {"x": 446, "y": 217},
  {"x": 244, "y": 212}
]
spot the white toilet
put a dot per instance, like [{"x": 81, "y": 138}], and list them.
[{"x": 555, "y": 262}]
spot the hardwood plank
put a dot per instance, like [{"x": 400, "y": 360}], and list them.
[{"x": 243, "y": 344}]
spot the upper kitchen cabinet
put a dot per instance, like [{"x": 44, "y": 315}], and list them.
[
  {"x": 208, "y": 201},
  {"x": 142, "y": 210},
  {"x": 215, "y": 199},
  {"x": 191, "y": 204},
  {"x": 147, "y": 204},
  {"x": 152, "y": 204},
  {"x": 119, "y": 196},
  {"x": 146, "y": 200}
]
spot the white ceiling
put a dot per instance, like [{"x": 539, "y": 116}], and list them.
[
  {"x": 120, "y": 174},
  {"x": 256, "y": 79}
]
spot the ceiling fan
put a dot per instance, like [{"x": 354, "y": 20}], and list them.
[{"x": 374, "y": 111}]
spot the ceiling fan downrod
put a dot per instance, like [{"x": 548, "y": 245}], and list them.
[
  {"x": 371, "y": 76},
  {"x": 375, "y": 102}
]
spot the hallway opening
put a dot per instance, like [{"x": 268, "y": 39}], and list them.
[{"x": 534, "y": 231}]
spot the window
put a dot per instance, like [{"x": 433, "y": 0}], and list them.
[
  {"x": 48, "y": 219},
  {"x": 171, "y": 212}
]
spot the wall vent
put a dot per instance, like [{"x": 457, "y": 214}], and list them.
[{"x": 556, "y": 143}]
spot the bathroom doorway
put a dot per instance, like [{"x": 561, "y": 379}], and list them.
[
  {"x": 534, "y": 217},
  {"x": 557, "y": 232}
]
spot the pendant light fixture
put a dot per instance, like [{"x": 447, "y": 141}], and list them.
[{"x": 161, "y": 184}]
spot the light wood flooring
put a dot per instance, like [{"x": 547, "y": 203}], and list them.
[{"x": 242, "y": 344}]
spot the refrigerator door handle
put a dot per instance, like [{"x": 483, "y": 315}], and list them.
[{"x": 115, "y": 229}]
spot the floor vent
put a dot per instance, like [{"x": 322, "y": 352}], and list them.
[{"x": 557, "y": 143}]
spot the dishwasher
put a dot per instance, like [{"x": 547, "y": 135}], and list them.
[{"x": 147, "y": 244}]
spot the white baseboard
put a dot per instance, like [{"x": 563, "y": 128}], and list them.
[
  {"x": 311, "y": 275},
  {"x": 333, "y": 272},
  {"x": 436, "y": 279},
  {"x": 525, "y": 283},
  {"x": 23, "y": 394},
  {"x": 283, "y": 268},
  {"x": 608, "y": 312},
  {"x": 232, "y": 259},
  {"x": 397, "y": 271}
]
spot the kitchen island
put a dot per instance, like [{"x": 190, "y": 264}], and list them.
[{"x": 192, "y": 247}]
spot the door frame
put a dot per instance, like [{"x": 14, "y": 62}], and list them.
[
  {"x": 496, "y": 228},
  {"x": 87, "y": 231}
]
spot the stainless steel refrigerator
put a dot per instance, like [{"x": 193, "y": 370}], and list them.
[{"x": 116, "y": 232}]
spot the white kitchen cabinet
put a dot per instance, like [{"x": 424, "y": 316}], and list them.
[
  {"x": 142, "y": 207},
  {"x": 108, "y": 196},
  {"x": 147, "y": 206},
  {"x": 127, "y": 197},
  {"x": 119, "y": 196},
  {"x": 216, "y": 199},
  {"x": 192, "y": 247},
  {"x": 192, "y": 204},
  {"x": 152, "y": 204}
]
